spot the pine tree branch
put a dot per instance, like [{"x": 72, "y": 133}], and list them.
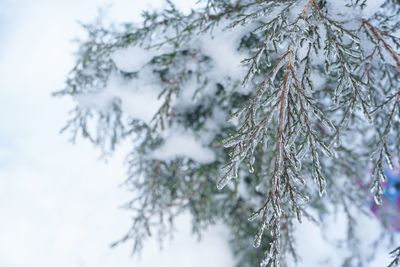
[{"x": 378, "y": 35}]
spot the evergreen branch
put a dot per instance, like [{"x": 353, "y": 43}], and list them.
[
  {"x": 281, "y": 126},
  {"x": 396, "y": 257},
  {"x": 378, "y": 35}
]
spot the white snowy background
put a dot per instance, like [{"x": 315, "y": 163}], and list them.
[{"x": 59, "y": 204}]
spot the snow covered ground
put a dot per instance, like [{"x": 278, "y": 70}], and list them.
[{"x": 59, "y": 202}]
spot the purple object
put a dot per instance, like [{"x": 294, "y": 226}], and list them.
[{"x": 389, "y": 212}]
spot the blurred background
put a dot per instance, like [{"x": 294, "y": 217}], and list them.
[{"x": 60, "y": 203}]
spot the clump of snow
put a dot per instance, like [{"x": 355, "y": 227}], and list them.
[
  {"x": 139, "y": 97},
  {"x": 189, "y": 92},
  {"x": 133, "y": 58},
  {"x": 372, "y": 6},
  {"x": 180, "y": 142},
  {"x": 340, "y": 11},
  {"x": 99, "y": 100},
  {"x": 193, "y": 93},
  {"x": 183, "y": 143},
  {"x": 317, "y": 80},
  {"x": 212, "y": 125},
  {"x": 222, "y": 47}
]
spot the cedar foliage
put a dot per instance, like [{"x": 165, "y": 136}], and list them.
[{"x": 320, "y": 103}]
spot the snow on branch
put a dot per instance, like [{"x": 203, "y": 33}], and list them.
[{"x": 312, "y": 90}]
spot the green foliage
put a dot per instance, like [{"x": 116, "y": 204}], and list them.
[{"x": 321, "y": 98}]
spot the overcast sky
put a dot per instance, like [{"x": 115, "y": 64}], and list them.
[{"x": 59, "y": 202}]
